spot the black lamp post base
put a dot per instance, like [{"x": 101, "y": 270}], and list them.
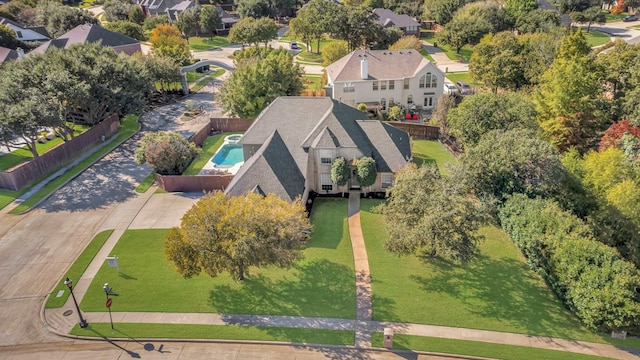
[{"x": 83, "y": 324}]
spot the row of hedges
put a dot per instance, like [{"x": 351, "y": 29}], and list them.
[{"x": 591, "y": 278}]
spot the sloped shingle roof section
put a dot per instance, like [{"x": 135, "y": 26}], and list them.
[
  {"x": 382, "y": 64},
  {"x": 7, "y": 54},
  {"x": 387, "y": 17},
  {"x": 270, "y": 170},
  {"x": 391, "y": 147},
  {"x": 87, "y": 33}
]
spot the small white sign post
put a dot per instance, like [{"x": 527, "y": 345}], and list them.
[{"x": 113, "y": 262}]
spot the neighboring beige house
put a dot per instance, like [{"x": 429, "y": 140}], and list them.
[
  {"x": 291, "y": 146},
  {"x": 381, "y": 78}
]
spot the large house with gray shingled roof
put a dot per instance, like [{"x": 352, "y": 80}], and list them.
[
  {"x": 382, "y": 78},
  {"x": 290, "y": 148},
  {"x": 90, "y": 33},
  {"x": 388, "y": 18}
]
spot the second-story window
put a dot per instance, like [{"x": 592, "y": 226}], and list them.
[
  {"x": 406, "y": 83},
  {"x": 348, "y": 87},
  {"x": 375, "y": 85},
  {"x": 383, "y": 85},
  {"x": 392, "y": 84},
  {"x": 326, "y": 157}
]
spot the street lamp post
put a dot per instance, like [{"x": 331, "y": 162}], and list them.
[{"x": 83, "y": 323}]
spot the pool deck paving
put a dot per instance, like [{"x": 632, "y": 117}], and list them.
[{"x": 163, "y": 211}]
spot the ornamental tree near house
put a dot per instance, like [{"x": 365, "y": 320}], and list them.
[
  {"x": 366, "y": 171},
  {"x": 168, "y": 153},
  {"x": 340, "y": 171},
  {"x": 221, "y": 233}
]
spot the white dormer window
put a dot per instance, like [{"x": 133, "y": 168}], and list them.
[{"x": 326, "y": 157}]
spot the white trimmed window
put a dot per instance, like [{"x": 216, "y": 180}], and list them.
[
  {"x": 348, "y": 87},
  {"x": 326, "y": 157},
  {"x": 383, "y": 85},
  {"x": 406, "y": 83},
  {"x": 325, "y": 182},
  {"x": 386, "y": 180},
  {"x": 392, "y": 84},
  {"x": 375, "y": 85}
]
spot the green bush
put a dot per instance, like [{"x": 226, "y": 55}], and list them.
[
  {"x": 366, "y": 171},
  {"x": 591, "y": 278},
  {"x": 340, "y": 171}
]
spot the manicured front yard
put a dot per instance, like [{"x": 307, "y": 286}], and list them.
[
  {"x": 322, "y": 284},
  {"x": 173, "y": 331},
  {"x": 431, "y": 152},
  {"x": 203, "y": 43},
  {"x": 596, "y": 38},
  {"x": 311, "y": 82},
  {"x": 496, "y": 291},
  {"x": 465, "y": 52},
  {"x": 476, "y": 348}
]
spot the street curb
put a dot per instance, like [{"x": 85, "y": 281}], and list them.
[{"x": 80, "y": 172}]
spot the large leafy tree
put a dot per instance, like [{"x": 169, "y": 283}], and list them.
[
  {"x": 592, "y": 15},
  {"x": 254, "y": 8},
  {"x": 58, "y": 19},
  {"x": 514, "y": 161},
  {"x": 260, "y": 77},
  {"x": 497, "y": 62},
  {"x": 136, "y": 15},
  {"x": 151, "y": 22},
  {"x": 354, "y": 25},
  {"x": 407, "y": 42},
  {"x": 8, "y": 37},
  {"x": 168, "y": 153},
  {"x": 221, "y": 233},
  {"x": 538, "y": 51},
  {"x": 538, "y": 21},
  {"x": 618, "y": 66},
  {"x": 333, "y": 52},
  {"x": 430, "y": 213},
  {"x": 209, "y": 19},
  {"x": 128, "y": 28},
  {"x": 569, "y": 101},
  {"x": 189, "y": 21},
  {"x": 163, "y": 71},
  {"x": 567, "y": 6},
  {"x": 168, "y": 42},
  {"x": 518, "y": 8},
  {"x": 441, "y": 10},
  {"x": 115, "y": 10},
  {"x": 481, "y": 113},
  {"x": 253, "y": 31},
  {"x": 313, "y": 21}
]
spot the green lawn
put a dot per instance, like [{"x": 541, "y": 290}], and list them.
[
  {"x": 129, "y": 126},
  {"x": 18, "y": 156},
  {"x": 230, "y": 332},
  {"x": 596, "y": 38},
  {"x": 203, "y": 43},
  {"x": 615, "y": 17},
  {"x": 311, "y": 82},
  {"x": 77, "y": 269},
  {"x": 209, "y": 147},
  {"x": 476, "y": 348},
  {"x": 146, "y": 183},
  {"x": 465, "y": 52},
  {"x": 427, "y": 35},
  {"x": 322, "y": 284},
  {"x": 206, "y": 79},
  {"x": 431, "y": 152},
  {"x": 496, "y": 291},
  {"x": 192, "y": 76}
]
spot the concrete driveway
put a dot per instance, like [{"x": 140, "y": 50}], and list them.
[{"x": 36, "y": 249}]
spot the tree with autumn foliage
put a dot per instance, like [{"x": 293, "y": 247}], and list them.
[
  {"x": 223, "y": 233},
  {"x": 614, "y": 134},
  {"x": 167, "y": 41}
]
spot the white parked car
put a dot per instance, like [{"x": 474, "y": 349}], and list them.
[{"x": 451, "y": 89}]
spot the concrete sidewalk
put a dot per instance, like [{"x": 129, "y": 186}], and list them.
[{"x": 442, "y": 60}]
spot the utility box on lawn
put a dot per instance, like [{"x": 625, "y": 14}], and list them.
[{"x": 388, "y": 338}]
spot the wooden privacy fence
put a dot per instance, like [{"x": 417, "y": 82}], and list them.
[
  {"x": 28, "y": 172},
  {"x": 418, "y": 131}
]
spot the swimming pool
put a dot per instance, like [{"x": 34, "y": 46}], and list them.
[{"x": 228, "y": 155}]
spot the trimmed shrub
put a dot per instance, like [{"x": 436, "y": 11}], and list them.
[
  {"x": 366, "y": 171},
  {"x": 340, "y": 171}
]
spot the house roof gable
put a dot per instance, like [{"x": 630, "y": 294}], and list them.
[
  {"x": 387, "y": 17},
  {"x": 381, "y": 64}
]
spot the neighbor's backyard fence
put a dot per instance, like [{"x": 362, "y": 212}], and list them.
[
  {"x": 418, "y": 131},
  {"x": 204, "y": 183},
  {"x": 26, "y": 173}
]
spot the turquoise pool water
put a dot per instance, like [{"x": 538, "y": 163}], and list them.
[{"x": 228, "y": 155}]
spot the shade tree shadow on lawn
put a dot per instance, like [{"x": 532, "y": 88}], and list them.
[
  {"x": 488, "y": 289},
  {"x": 322, "y": 288}
]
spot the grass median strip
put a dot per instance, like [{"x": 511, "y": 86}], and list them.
[
  {"x": 77, "y": 269},
  {"x": 146, "y": 183},
  {"x": 477, "y": 348},
  {"x": 219, "y": 332},
  {"x": 129, "y": 127}
]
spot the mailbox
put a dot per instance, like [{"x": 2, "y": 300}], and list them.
[{"x": 388, "y": 338}]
